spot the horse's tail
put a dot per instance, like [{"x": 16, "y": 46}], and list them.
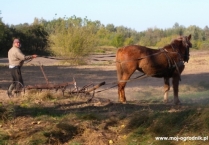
[{"x": 118, "y": 65}]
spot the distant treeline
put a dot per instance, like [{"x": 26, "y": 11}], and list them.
[{"x": 78, "y": 37}]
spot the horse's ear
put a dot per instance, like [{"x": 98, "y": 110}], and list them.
[{"x": 189, "y": 37}]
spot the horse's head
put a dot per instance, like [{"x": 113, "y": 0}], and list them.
[{"x": 183, "y": 44}]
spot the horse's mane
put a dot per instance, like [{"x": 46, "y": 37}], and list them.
[{"x": 178, "y": 39}]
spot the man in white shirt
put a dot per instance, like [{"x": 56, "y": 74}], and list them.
[{"x": 16, "y": 60}]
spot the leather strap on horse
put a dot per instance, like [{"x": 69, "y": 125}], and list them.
[
  {"x": 177, "y": 70},
  {"x": 138, "y": 58},
  {"x": 167, "y": 56},
  {"x": 169, "y": 61}
]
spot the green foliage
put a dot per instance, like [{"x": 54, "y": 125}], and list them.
[
  {"x": 34, "y": 39},
  {"x": 204, "y": 45},
  {"x": 128, "y": 41},
  {"x": 5, "y": 39},
  {"x": 151, "y": 37},
  {"x": 165, "y": 40},
  {"x": 117, "y": 40},
  {"x": 71, "y": 39},
  {"x": 77, "y": 37},
  {"x": 103, "y": 36},
  {"x": 1, "y": 29}
]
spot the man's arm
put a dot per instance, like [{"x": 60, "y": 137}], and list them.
[
  {"x": 30, "y": 57},
  {"x": 21, "y": 56}
]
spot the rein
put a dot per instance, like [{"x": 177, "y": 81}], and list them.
[
  {"x": 139, "y": 58},
  {"x": 162, "y": 50},
  {"x": 115, "y": 84},
  {"x": 27, "y": 61}
]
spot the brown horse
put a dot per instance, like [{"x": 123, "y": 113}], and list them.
[{"x": 167, "y": 62}]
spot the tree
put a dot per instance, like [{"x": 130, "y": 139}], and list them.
[
  {"x": 151, "y": 37},
  {"x": 195, "y": 31},
  {"x": 34, "y": 38},
  {"x": 118, "y": 40},
  {"x": 1, "y": 27},
  {"x": 1, "y": 30},
  {"x": 6, "y": 39},
  {"x": 206, "y": 33},
  {"x": 77, "y": 37},
  {"x": 165, "y": 40},
  {"x": 176, "y": 25},
  {"x": 73, "y": 37},
  {"x": 128, "y": 41},
  {"x": 110, "y": 27},
  {"x": 103, "y": 36},
  {"x": 177, "y": 29},
  {"x": 0, "y": 17}
]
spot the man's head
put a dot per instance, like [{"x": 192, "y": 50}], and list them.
[{"x": 16, "y": 43}]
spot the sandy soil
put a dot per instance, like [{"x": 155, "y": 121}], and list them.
[{"x": 100, "y": 68}]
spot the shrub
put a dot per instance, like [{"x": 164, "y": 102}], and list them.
[{"x": 72, "y": 40}]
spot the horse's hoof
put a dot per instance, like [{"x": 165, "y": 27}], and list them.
[{"x": 122, "y": 102}]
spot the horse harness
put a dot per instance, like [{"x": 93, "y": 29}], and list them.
[
  {"x": 173, "y": 65},
  {"x": 170, "y": 60}
]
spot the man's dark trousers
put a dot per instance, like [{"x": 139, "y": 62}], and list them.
[{"x": 16, "y": 78}]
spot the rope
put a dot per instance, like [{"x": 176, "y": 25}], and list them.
[
  {"x": 138, "y": 77},
  {"x": 139, "y": 58}
]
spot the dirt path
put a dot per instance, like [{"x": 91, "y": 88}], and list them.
[{"x": 101, "y": 68}]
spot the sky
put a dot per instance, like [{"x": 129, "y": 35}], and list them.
[{"x": 138, "y": 15}]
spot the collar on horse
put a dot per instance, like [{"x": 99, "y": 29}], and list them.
[{"x": 172, "y": 63}]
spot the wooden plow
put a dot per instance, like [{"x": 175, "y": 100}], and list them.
[{"x": 86, "y": 90}]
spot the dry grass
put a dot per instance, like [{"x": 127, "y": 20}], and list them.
[
  {"x": 49, "y": 118},
  {"x": 53, "y": 119}
]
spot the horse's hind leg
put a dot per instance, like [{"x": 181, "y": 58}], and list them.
[
  {"x": 121, "y": 85},
  {"x": 124, "y": 72},
  {"x": 166, "y": 89},
  {"x": 121, "y": 92}
]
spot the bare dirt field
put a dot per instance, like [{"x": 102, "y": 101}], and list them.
[{"x": 102, "y": 68}]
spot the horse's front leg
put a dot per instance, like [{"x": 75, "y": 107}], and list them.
[
  {"x": 166, "y": 89},
  {"x": 176, "y": 79}
]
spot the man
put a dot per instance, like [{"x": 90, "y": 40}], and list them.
[{"x": 16, "y": 60}]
